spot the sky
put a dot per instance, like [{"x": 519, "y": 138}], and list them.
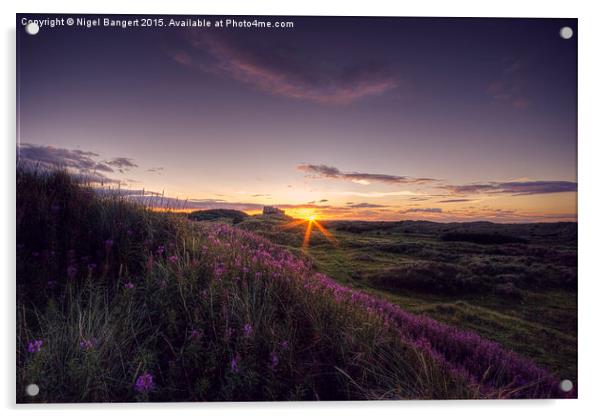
[{"x": 342, "y": 118}]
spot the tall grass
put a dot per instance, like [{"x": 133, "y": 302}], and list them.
[{"x": 132, "y": 305}]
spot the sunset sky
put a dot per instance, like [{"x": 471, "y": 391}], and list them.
[{"x": 356, "y": 118}]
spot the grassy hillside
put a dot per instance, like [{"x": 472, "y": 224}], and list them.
[
  {"x": 226, "y": 215},
  {"x": 517, "y": 284},
  {"x": 118, "y": 303}
]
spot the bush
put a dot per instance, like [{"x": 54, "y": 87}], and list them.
[
  {"x": 431, "y": 277},
  {"x": 482, "y": 238},
  {"x": 235, "y": 216}
]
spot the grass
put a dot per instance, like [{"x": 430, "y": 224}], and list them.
[
  {"x": 462, "y": 283},
  {"x": 116, "y": 303}
]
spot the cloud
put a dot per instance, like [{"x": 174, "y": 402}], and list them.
[
  {"x": 60, "y": 157},
  {"x": 275, "y": 70},
  {"x": 422, "y": 210},
  {"x": 325, "y": 171},
  {"x": 365, "y": 205},
  {"x": 122, "y": 164},
  {"x": 157, "y": 170},
  {"x": 517, "y": 188},
  {"x": 308, "y": 205},
  {"x": 509, "y": 86},
  {"x": 82, "y": 164},
  {"x": 455, "y": 200},
  {"x": 376, "y": 194},
  {"x": 158, "y": 200},
  {"x": 87, "y": 178}
]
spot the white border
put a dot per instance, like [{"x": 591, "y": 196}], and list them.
[{"x": 590, "y": 234}]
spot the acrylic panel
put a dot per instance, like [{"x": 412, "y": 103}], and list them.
[{"x": 271, "y": 208}]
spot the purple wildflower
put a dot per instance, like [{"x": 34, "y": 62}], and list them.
[
  {"x": 173, "y": 259},
  {"x": 88, "y": 344},
  {"x": 274, "y": 360},
  {"x": 129, "y": 285},
  {"x": 234, "y": 363},
  {"x": 35, "y": 346},
  {"x": 108, "y": 244},
  {"x": 160, "y": 249},
  {"x": 247, "y": 330},
  {"x": 218, "y": 271},
  {"x": 144, "y": 383}
]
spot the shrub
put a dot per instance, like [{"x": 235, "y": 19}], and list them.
[
  {"x": 482, "y": 238},
  {"x": 235, "y": 216},
  {"x": 428, "y": 276}
]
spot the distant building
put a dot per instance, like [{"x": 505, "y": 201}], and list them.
[{"x": 271, "y": 210}]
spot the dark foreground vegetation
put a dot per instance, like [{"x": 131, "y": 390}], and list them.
[{"x": 119, "y": 303}]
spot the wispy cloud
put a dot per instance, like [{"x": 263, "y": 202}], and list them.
[
  {"x": 122, "y": 164},
  {"x": 455, "y": 200},
  {"x": 517, "y": 188},
  {"x": 325, "y": 171},
  {"x": 365, "y": 205},
  {"x": 158, "y": 200},
  {"x": 375, "y": 194},
  {"x": 422, "y": 210},
  {"x": 274, "y": 70},
  {"x": 509, "y": 87}
]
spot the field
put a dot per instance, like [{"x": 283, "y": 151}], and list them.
[
  {"x": 515, "y": 284},
  {"x": 118, "y": 303}
]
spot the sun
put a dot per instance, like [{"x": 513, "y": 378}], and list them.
[{"x": 309, "y": 218}]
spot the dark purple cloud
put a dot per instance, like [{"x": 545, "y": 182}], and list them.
[
  {"x": 277, "y": 71},
  {"x": 122, "y": 164},
  {"x": 517, "y": 188},
  {"x": 83, "y": 165},
  {"x": 50, "y": 156},
  {"x": 325, "y": 171}
]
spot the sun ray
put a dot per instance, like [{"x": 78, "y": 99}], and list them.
[
  {"x": 326, "y": 232},
  {"x": 293, "y": 223},
  {"x": 307, "y": 235}
]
